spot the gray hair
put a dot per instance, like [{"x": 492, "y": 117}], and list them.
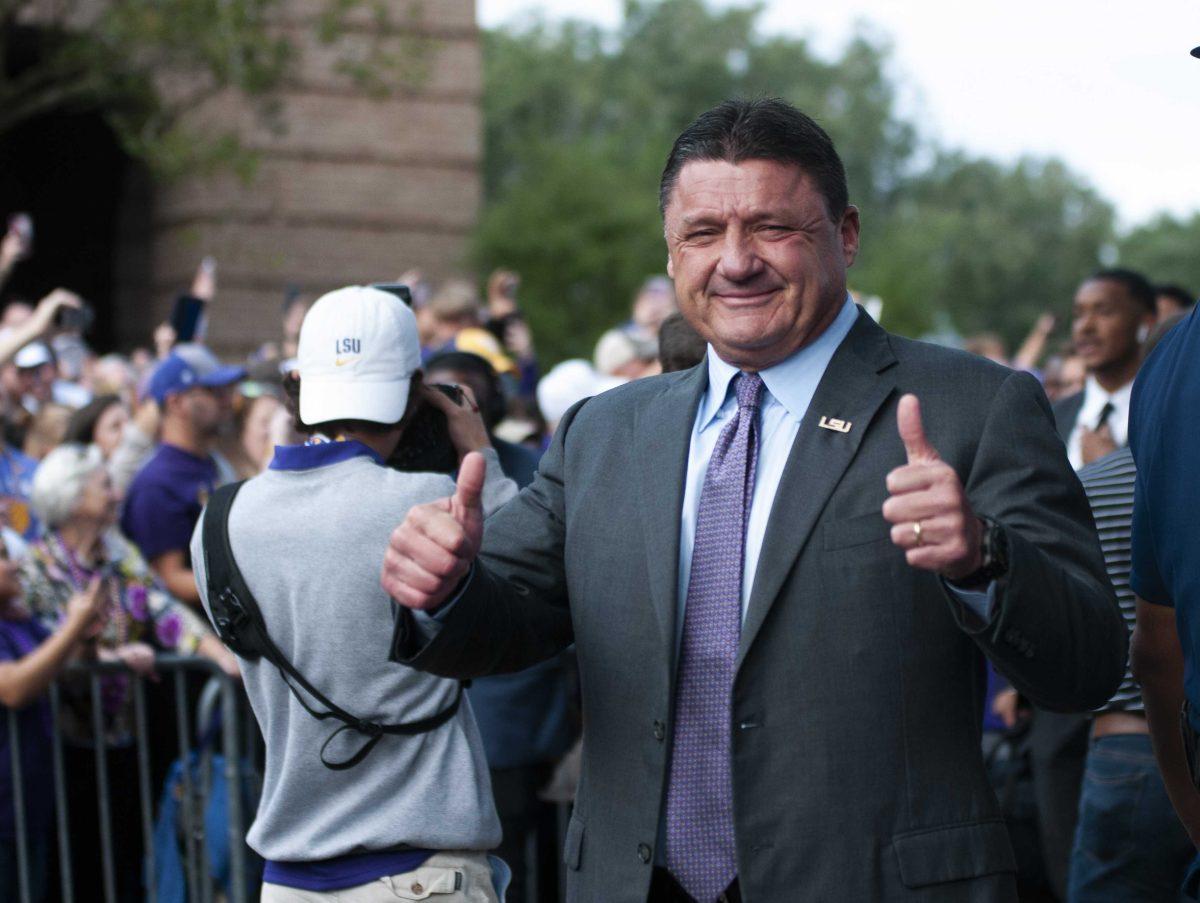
[{"x": 59, "y": 480}]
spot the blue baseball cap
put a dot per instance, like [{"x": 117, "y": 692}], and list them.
[{"x": 189, "y": 366}]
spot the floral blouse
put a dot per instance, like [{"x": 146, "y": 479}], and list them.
[{"x": 139, "y": 611}]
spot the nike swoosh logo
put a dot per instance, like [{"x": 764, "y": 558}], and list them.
[{"x": 341, "y": 362}]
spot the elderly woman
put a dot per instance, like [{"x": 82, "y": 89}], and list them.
[
  {"x": 77, "y": 505},
  {"x": 30, "y": 658}
]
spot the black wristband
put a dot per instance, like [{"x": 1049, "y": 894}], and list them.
[{"x": 994, "y": 553}]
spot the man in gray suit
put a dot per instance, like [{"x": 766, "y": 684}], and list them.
[{"x": 781, "y": 571}]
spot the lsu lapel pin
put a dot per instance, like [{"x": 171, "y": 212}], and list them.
[{"x": 832, "y": 423}]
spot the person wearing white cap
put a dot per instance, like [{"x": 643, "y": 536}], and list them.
[
  {"x": 567, "y": 384},
  {"x": 398, "y": 817}
]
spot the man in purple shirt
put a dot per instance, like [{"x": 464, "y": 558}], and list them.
[{"x": 166, "y": 497}]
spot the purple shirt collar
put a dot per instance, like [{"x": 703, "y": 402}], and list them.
[{"x": 308, "y": 457}]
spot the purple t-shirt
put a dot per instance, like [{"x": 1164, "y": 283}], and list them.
[
  {"x": 165, "y": 500},
  {"x": 18, "y": 639}
]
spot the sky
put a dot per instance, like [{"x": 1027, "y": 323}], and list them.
[{"x": 1106, "y": 85}]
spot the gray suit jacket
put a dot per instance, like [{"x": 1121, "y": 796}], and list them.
[{"x": 858, "y": 698}]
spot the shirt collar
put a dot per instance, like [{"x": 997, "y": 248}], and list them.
[
  {"x": 793, "y": 381},
  {"x": 177, "y": 452},
  {"x": 1095, "y": 397},
  {"x": 308, "y": 457}
]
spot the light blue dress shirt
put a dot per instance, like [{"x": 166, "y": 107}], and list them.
[{"x": 789, "y": 389}]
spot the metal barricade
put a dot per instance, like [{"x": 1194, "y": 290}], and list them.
[{"x": 240, "y": 741}]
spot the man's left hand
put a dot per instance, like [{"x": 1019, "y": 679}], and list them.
[{"x": 931, "y": 517}]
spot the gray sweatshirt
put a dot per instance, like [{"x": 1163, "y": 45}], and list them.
[{"x": 310, "y": 545}]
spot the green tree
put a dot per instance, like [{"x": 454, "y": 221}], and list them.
[
  {"x": 990, "y": 245},
  {"x": 144, "y": 63},
  {"x": 578, "y": 123},
  {"x": 1166, "y": 249}
]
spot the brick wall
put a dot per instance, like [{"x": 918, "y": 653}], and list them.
[{"x": 354, "y": 189}]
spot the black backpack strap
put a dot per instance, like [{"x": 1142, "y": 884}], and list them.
[
  {"x": 230, "y": 614},
  {"x": 240, "y": 624}
]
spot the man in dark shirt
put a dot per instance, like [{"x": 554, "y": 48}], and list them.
[
  {"x": 166, "y": 497},
  {"x": 1165, "y": 573}
]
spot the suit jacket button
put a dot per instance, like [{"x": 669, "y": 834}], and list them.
[
  {"x": 660, "y": 731},
  {"x": 644, "y": 852}
]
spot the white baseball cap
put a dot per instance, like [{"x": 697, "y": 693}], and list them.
[
  {"x": 358, "y": 352},
  {"x": 569, "y": 382}
]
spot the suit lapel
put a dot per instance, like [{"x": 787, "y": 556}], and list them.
[
  {"x": 1066, "y": 412},
  {"x": 852, "y": 390},
  {"x": 665, "y": 426}
]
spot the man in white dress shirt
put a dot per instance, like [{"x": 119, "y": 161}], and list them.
[{"x": 1113, "y": 312}]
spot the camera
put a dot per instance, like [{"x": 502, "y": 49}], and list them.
[{"x": 426, "y": 445}]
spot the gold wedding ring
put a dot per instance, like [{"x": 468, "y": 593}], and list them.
[{"x": 917, "y": 532}]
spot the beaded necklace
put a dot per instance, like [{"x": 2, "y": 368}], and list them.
[
  {"x": 80, "y": 577},
  {"x": 114, "y": 688}
]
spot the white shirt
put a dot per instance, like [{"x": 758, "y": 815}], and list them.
[{"x": 1094, "y": 400}]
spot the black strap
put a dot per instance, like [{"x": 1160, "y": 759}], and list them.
[{"x": 240, "y": 623}]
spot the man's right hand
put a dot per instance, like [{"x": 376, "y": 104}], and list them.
[{"x": 431, "y": 552}]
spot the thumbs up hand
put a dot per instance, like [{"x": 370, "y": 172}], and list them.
[
  {"x": 431, "y": 551},
  {"x": 931, "y": 517}
]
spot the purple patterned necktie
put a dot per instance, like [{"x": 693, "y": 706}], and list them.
[{"x": 700, "y": 844}]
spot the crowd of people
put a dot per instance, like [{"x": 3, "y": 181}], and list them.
[{"x": 109, "y": 460}]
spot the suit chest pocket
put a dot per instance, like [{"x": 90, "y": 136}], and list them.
[{"x": 847, "y": 533}]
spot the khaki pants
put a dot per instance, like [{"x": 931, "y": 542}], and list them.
[{"x": 444, "y": 878}]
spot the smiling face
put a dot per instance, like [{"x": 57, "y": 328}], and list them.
[{"x": 758, "y": 262}]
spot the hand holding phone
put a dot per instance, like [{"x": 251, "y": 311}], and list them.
[
  {"x": 62, "y": 309},
  {"x": 446, "y": 426},
  {"x": 463, "y": 420}
]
